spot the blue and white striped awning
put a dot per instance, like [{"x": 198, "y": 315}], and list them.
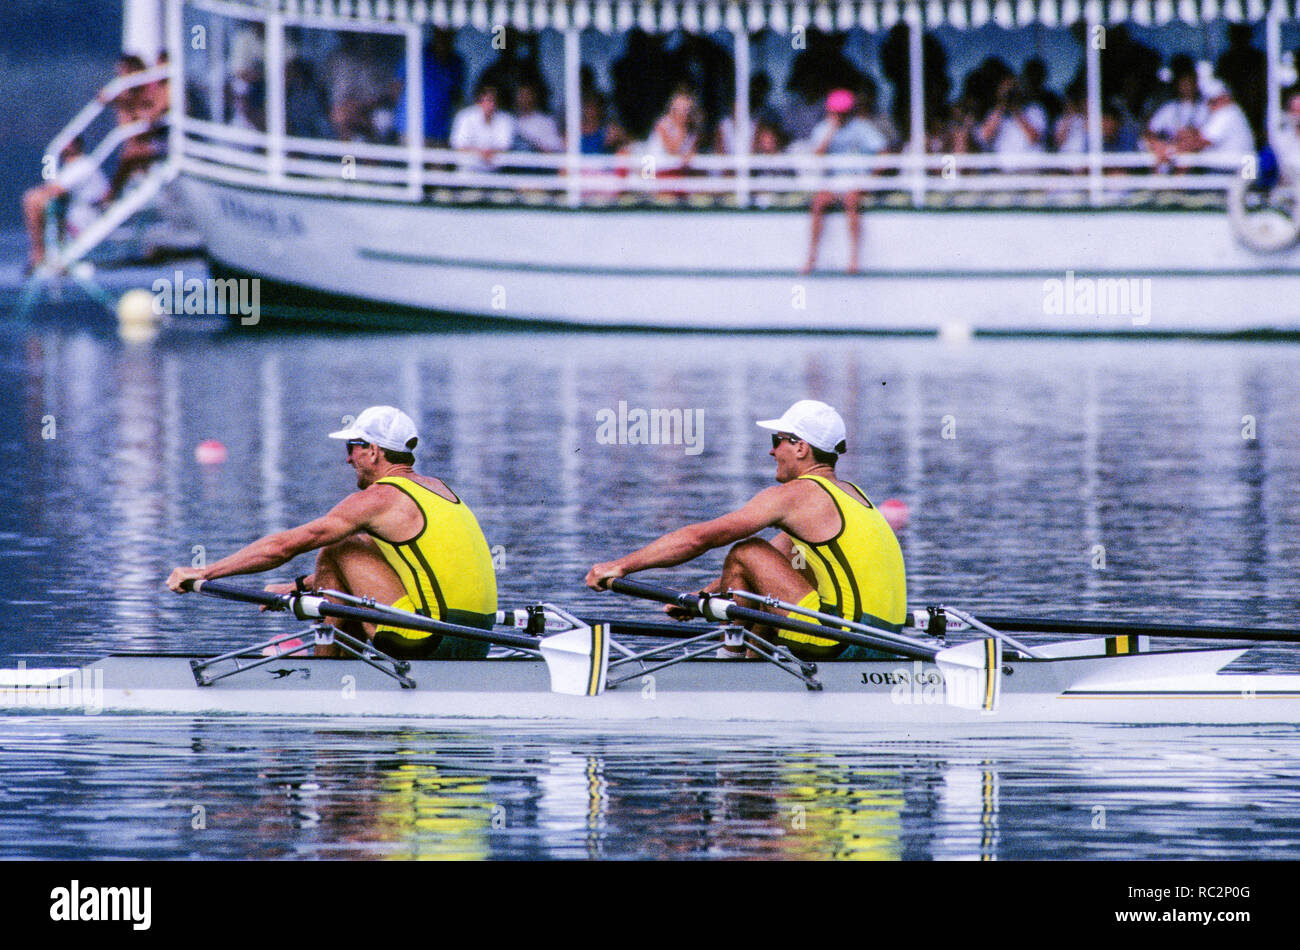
[{"x": 663, "y": 16}]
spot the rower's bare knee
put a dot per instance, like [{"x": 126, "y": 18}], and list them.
[
  {"x": 745, "y": 552},
  {"x": 333, "y": 556}
]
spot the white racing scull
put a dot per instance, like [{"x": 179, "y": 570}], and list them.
[{"x": 581, "y": 673}]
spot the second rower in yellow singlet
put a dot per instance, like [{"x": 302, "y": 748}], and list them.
[{"x": 834, "y": 552}]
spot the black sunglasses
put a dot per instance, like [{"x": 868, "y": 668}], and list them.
[
  {"x": 778, "y": 438},
  {"x": 355, "y": 444}
]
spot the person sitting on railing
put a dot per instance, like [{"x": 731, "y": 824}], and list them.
[
  {"x": 129, "y": 104},
  {"x": 71, "y": 197},
  {"x": 1225, "y": 134},
  {"x": 842, "y": 133},
  {"x": 1013, "y": 126},
  {"x": 152, "y": 105},
  {"x": 482, "y": 129},
  {"x": 535, "y": 130}
]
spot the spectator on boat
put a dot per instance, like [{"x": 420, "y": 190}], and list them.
[
  {"x": 1185, "y": 111},
  {"x": 698, "y": 62},
  {"x": 359, "y": 89},
  {"x": 72, "y": 197},
  {"x": 953, "y": 130},
  {"x": 305, "y": 108},
  {"x": 599, "y": 136},
  {"x": 151, "y": 104},
  {"x": 516, "y": 62},
  {"x": 895, "y": 64},
  {"x": 482, "y": 130},
  {"x": 1071, "y": 133},
  {"x": 1033, "y": 79},
  {"x": 535, "y": 129},
  {"x": 842, "y": 133},
  {"x": 444, "y": 571},
  {"x": 640, "y": 83},
  {"x": 675, "y": 137},
  {"x": 1287, "y": 141},
  {"x": 867, "y": 98},
  {"x": 1014, "y": 126},
  {"x": 248, "y": 101},
  {"x": 1244, "y": 70},
  {"x": 1226, "y": 132},
  {"x": 443, "y": 91},
  {"x": 129, "y": 105},
  {"x": 724, "y": 136},
  {"x": 856, "y": 572},
  {"x": 1119, "y": 132}
]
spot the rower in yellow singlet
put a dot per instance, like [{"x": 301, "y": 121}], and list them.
[
  {"x": 834, "y": 551},
  {"x": 404, "y": 539}
]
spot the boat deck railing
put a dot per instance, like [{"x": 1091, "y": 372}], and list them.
[{"x": 393, "y": 173}]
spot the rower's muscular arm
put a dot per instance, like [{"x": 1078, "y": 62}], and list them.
[
  {"x": 765, "y": 509},
  {"x": 349, "y": 516}
]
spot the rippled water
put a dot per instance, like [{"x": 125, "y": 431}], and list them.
[
  {"x": 142, "y": 787},
  {"x": 1116, "y": 480}
]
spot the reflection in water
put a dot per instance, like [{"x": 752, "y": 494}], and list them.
[{"x": 135, "y": 787}]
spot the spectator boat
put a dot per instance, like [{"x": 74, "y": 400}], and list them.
[
  {"x": 371, "y": 234},
  {"x": 564, "y": 668}
]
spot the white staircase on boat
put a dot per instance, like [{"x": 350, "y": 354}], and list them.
[{"x": 170, "y": 231}]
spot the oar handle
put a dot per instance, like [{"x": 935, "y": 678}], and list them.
[
  {"x": 248, "y": 595},
  {"x": 663, "y": 595}
]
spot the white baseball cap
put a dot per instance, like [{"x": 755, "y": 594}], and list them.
[
  {"x": 383, "y": 426},
  {"x": 814, "y": 422},
  {"x": 1210, "y": 85}
]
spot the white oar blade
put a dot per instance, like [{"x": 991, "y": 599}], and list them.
[
  {"x": 972, "y": 674},
  {"x": 578, "y": 660}
]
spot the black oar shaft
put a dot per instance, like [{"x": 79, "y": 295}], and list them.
[
  {"x": 347, "y": 612},
  {"x": 1101, "y": 628},
  {"x": 735, "y": 612}
]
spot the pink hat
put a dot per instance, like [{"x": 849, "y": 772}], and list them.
[{"x": 840, "y": 100}]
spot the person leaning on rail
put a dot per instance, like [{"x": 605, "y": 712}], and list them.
[
  {"x": 834, "y": 552},
  {"x": 441, "y": 567}
]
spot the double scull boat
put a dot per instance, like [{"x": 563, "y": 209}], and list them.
[{"x": 559, "y": 667}]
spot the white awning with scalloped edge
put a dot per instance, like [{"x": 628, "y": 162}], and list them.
[{"x": 664, "y": 16}]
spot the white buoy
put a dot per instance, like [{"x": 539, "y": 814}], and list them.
[
  {"x": 137, "y": 320},
  {"x": 955, "y": 332}
]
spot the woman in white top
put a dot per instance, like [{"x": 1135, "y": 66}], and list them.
[{"x": 675, "y": 137}]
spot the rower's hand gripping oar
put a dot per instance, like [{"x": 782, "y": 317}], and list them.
[
  {"x": 577, "y": 659},
  {"x": 723, "y": 610}
]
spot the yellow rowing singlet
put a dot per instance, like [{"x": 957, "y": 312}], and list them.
[
  {"x": 446, "y": 568},
  {"x": 859, "y": 572}
]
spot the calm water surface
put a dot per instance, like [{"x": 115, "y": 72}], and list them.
[{"x": 1143, "y": 480}]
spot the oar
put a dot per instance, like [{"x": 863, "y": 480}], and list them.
[
  {"x": 713, "y": 607},
  {"x": 1109, "y": 628},
  {"x": 313, "y": 607},
  {"x": 577, "y": 659}
]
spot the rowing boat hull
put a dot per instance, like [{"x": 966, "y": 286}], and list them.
[{"x": 1180, "y": 687}]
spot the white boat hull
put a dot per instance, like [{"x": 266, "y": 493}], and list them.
[
  {"x": 391, "y": 263},
  {"x": 1180, "y": 687}
]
